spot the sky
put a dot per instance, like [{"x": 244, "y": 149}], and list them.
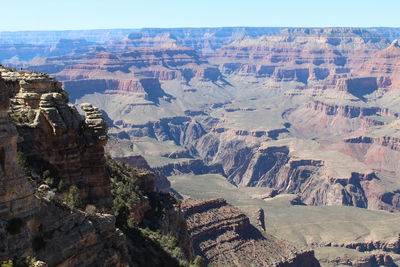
[{"x": 18, "y": 15}]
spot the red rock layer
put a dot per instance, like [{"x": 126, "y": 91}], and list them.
[
  {"x": 225, "y": 237},
  {"x": 385, "y": 65},
  {"x": 300, "y": 55}
]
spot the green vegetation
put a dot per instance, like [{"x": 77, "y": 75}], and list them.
[
  {"x": 151, "y": 241},
  {"x": 125, "y": 190},
  {"x": 24, "y": 116},
  {"x": 155, "y": 240},
  {"x": 198, "y": 262},
  {"x": 30, "y": 261},
  {"x": 40, "y": 172},
  {"x": 8, "y": 263},
  {"x": 72, "y": 197}
]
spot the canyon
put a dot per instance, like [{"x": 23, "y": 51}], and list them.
[
  {"x": 65, "y": 203},
  {"x": 300, "y": 119}
]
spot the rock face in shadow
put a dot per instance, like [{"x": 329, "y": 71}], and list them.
[
  {"x": 46, "y": 229},
  {"x": 385, "y": 66},
  {"x": 60, "y": 236},
  {"x": 16, "y": 194},
  {"x": 54, "y": 133},
  {"x": 358, "y": 87},
  {"x": 225, "y": 237}
]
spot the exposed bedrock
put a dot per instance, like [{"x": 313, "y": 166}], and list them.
[
  {"x": 60, "y": 236},
  {"x": 347, "y": 111},
  {"x": 244, "y": 163},
  {"x": 385, "y": 66},
  {"x": 358, "y": 87},
  {"x": 194, "y": 166},
  {"x": 54, "y": 134},
  {"x": 387, "y": 246},
  {"x": 147, "y": 88},
  {"x": 274, "y": 167},
  {"x": 312, "y": 57},
  {"x": 48, "y": 230},
  {"x": 181, "y": 130},
  {"x": 224, "y": 236},
  {"x": 16, "y": 194},
  {"x": 382, "y": 155},
  {"x": 317, "y": 119}
]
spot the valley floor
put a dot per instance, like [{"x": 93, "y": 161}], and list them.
[{"x": 327, "y": 229}]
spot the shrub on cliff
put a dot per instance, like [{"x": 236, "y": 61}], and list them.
[
  {"x": 125, "y": 191},
  {"x": 149, "y": 244},
  {"x": 72, "y": 197},
  {"x": 40, "y": 172},
  {"x": 198, "y": 262},
  {"x": 8, "y": 263},
  {"x": 24, "y": 116}
]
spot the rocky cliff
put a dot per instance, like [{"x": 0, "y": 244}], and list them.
[
  {"x": 313, "y": 57},
  {"x": 45, "y": 229},
  {"x": 385, "y": 66},
  {"x": 54, "y": 134},
  {"x": 225, "y": 237}
]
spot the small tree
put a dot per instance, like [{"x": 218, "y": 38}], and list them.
[
  {"x": 8, "y": 263},
  {"x": 198, "y": 262},
  {"x": 72, "y": 197}
]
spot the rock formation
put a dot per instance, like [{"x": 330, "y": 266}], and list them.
[
  {"x": 54, "y": 133},
  {"x": 225, "y": 237},
  {"x": 16, "y": 194},
  {"x": 38, "y": 227},
  {"x": 135, "y": 71},
  {"x": 313, "y": 57},
  {"x": 385, "y": 66}
]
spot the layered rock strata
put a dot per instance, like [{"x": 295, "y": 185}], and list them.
[
  {"x": 16, "y": 194},
  {"x": 225, "y": 237},
  {"x": 54, "y": 133},
  {"x": 46, "y": 229}
]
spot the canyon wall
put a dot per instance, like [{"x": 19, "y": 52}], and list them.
[
  {"x": 225, "y": 237},
  {"x": 54, "y": 134},
  {"x": 42, "y": 228}
]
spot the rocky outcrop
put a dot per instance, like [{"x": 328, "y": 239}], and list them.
[
  {"x": 60, "y": 236},
  {"x": 134, "y": 70},
  {"x": 16, "y": 194},
  {"x": 387, "y": 246},
  {"x": 54, "y": 133},
  {"x": 194, "y": 166},
  {"x": 180, "y": 130},
  {"x": 358, "y": 86},
  {"x": 146, "y": 88},
  {"x": 372, "y": 260},
  {"x": 273, "y": 168},
  {"x": 224, "y": 236},
  {"x": 379, "y": 253},
  {"x": 385, "y": 66},
  {"x": 311, "y": 57},
  {"x": 161, "y": 183},
  {"x": 345, "y": 111},
  {"x": 45, "y": 228}
]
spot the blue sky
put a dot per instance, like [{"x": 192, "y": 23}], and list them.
[{"x": 107, "y": 14}]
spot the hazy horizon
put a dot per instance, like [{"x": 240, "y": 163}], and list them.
[
  {"x": 46, "y": 15},
  {"x": 215, "y": 27}
]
